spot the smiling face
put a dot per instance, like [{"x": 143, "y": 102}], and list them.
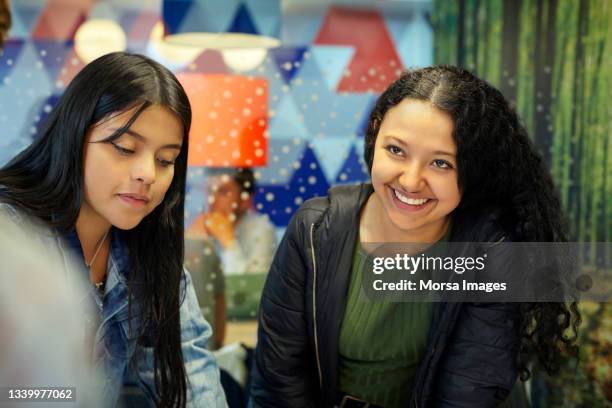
[
  {"x": 126, "y": 178},
  {"x": 414, "y": 171}
]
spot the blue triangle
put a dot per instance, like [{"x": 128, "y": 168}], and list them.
[
  {"x": 53, "y": 55},
  {"x": 266, "y": 16},
  {"x": 173, "y": 14},
  {"x": 44, "y": 110},
  {"x": 310, "y": 176},
  {"x": 127, "y": 20},
  {"x": 308, "y": 181},
  {"x": 363, "y": 123},
  {"x": 353, "y": 170},
  {"x": 332, "y": 152},
  {"x": 18, "y": 30},
  {"x": 12, "y": 49},
  {"x": 195, "y": 195},
  {"x": 28, "y": 15},
  {"x": 243, "y": 23},
  {"x": 332, "y": 60},
  {"x": 281, "y": 199},
  {"x": 282, "y": 153},
  {"x": 28, "y": 86},
  {"x": 415, "y": 46},
  {"x": 11, "y": 147},
  {"x": 286, "y": 122},
  {"x": 286, "y": 59}
]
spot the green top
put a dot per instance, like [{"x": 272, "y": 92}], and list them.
[{"x": 381, "y": 343}]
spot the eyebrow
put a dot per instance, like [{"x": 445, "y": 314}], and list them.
[
  {"x": 140, "y": 137},
  {"x": 437, "y": 152}
]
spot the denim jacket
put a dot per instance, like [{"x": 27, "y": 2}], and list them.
[{"x": 116, "y": 353}]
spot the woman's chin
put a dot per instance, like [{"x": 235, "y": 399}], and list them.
[
  {"x": 407, "y": 227},
  {"x": 126, "y": 224}
]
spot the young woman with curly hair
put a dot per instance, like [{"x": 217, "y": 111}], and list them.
[{"x": 449, "y": 161}]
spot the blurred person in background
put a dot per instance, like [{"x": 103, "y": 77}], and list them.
[
  {"x": 107, "y": 181},
  {"x": 202, "y": 261},
  {"x": 245, "y": 238}
]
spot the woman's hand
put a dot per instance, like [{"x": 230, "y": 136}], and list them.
[{"x": 221, "y": 227}]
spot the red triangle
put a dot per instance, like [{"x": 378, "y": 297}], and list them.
[
  {"x": 210, "y": 61},
  {"x": 375, "y": 63},
  {"x": 59, "y": 23},
  {"x": 141, "y": 28},
  {"x": 72, "y": 66}
]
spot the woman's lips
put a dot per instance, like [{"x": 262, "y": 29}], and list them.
[
  {"x": 408, "y": 207},
  {"x": 134, "y": 201}
]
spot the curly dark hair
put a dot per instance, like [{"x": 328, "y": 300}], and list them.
[
  {"x": 245, "y": 178},
  {"x": 498, "y": 167}
]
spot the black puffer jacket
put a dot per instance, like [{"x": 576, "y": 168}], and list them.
[{"x": 472, "y": 348}]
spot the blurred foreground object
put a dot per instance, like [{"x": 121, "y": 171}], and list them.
[{"x": 42, "y": 330}]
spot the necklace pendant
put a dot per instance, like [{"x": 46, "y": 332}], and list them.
[{"x": 99, "y": 287}]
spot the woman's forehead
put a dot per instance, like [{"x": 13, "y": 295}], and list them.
[
  {"x": 155, "y": 124},
  {"x": 414, "y": 122}
]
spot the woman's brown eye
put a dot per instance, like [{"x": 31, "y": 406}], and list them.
[
  {"x": 165, "y": 163},
  {"x": 442, "y": 164},
  {"x": 122, "y": 150},
  {"x": 394, "y": 150}
]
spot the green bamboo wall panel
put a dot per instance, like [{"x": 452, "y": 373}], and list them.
[{"x": 560, "y": 85}]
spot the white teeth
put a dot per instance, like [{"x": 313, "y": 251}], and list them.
[{"x": 411, "y": 201}]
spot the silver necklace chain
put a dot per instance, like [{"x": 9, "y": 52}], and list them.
[{"x": 99, "y": 285}]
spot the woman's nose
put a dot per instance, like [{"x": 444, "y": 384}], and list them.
[
  {"x": 411, "y": 179},
  {"x": 144, "y": 170}
]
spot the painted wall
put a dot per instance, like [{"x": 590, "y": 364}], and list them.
[{"x": 320, "y": 84}]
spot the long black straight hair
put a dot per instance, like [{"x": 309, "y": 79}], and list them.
[
  {"x": 498, "y": 167},
  {"x": 46, "y": 181}
]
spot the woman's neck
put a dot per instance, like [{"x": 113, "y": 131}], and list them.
[
  {"x": 92, "y": 230},
  {"x": 375, "y": 226}
]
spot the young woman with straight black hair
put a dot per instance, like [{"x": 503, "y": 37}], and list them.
[
  {"x": 107, "y": 178},
  {"x": 449, "y": 161}
]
